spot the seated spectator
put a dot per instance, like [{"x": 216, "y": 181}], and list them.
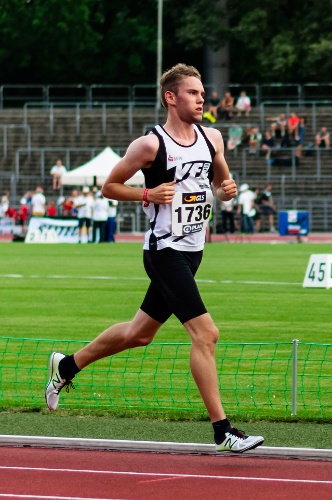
[
  {"x": 235, "y": 134},
  {"x": 293, "y": 125},
  {"x": 301, "y": 137},
  {"x": 268, "y": 143},
  {"x": 254, "y": 140},
  {"x": 243, "y": 104},
  {"x": 226, "y": 107},
  {"x": 214, "y": 104},
  {"x": 278, "y": 125},
  {"x": 56, "y": 172},
  {"x": 323, "y": 139},
  {"x": 246, "y": 135}
]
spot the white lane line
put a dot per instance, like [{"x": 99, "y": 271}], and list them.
[
  {"x": 250, "y": 282},
  {"x": 133, "y": 278},
  {"x": 160, "y": 474},
  {"x": 49, "y": 497}
]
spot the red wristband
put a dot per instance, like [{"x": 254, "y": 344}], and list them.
[{"x": 145, "y": 197}]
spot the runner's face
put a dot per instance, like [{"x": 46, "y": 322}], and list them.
[{"x": 190, "y": 99}]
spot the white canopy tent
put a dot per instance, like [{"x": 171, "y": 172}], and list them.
[{"x": 96, "y": 171}]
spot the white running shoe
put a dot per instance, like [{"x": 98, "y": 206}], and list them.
[
  {"x": 55, "y": 383},
  {"x": 237, "y": 442}
]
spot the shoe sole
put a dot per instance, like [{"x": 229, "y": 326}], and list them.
[{"x": 251, "y": 447}]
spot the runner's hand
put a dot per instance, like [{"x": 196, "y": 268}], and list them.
[
  {"x": 162, "y": 194},
  {"x": 229, "y": 188}
]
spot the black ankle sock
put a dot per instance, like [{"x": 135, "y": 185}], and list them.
[
  {"x": 220, "y": 428},
  {"x": 68, "y": 367}
]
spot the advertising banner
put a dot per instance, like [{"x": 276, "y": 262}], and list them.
[{"x": 52, "y": 230}]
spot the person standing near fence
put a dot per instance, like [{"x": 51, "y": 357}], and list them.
[
  {"x": 38, "y": 203},
  {"x": 111, "y": 221},
  {"x": 179, "y": 160},
  {"x": 100, "y": 214}
]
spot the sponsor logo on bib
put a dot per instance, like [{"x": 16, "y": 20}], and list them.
[
  {"x": 192, "y": 228},
  {"x": 194, "y": 197}
]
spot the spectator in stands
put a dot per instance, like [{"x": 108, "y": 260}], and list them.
[
  {"x": 293, "y": 125},
  {"x": 22, "y": 215},
  {"x": 11, "y": 214},
  {"x": 100, "y": 216},
  {"x": 226, "y": 107},
  {"x": 38, "y": 203},
  {"x": 84, "y": 206},
  {"x": 214, "y": 104},
  {"x": 243, "y": 104},
  {"x": 69, "y": 209},
  {"x": 257, "y": 217},
  {"x": 227, "y": 216},
  {"x": 246, "y": 135},
  {"x": 57, "y": 172},
  {"x": 255, "y": 140},
  {"x": 4, "y": 204},
  {"x": 268, "y": 143},
  {"x": 235, "y": 135},
  {"x": 301, "y": 137},
  {"x": 51, "y": 209},
  {"x": 278, "y": 125},
  {"x": 267, "y": 207},
  {"x": 246, "y": 208},
  {"x": 111, "y": 221},
  {"x": 323, "y": 139}
]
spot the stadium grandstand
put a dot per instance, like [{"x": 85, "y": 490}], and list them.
[{"x": 40, "y": 123}]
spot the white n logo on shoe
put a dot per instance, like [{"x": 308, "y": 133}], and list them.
[{"x": 231, "y": 441}]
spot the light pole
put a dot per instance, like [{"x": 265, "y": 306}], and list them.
[{"x": 159, "y": 51}]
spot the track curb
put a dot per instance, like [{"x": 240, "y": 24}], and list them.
[{"x": 157, "y": 447}]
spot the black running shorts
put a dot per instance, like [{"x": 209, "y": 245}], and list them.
[
  {"x": 173, "y": 289},
  {"x": 84, "y": 221}
]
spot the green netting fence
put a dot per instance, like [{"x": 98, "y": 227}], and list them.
[{"x": 261, "y": 379}]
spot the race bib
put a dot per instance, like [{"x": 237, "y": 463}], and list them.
[{"x": 191, "y": 212}]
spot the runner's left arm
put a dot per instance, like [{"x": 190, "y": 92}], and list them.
[{"x": 224, "y": 186}]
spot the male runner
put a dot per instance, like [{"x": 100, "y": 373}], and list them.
[{"x": 184, "y": 166}]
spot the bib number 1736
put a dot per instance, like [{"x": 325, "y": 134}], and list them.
[{"x": 190, "y": 212}]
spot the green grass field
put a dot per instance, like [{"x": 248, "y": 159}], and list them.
[{"x": 253, "y": 291}]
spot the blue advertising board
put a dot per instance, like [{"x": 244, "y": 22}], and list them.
[{"x": 293, "y": 223}]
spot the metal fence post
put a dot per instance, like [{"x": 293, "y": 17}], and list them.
[{"x": 294, "y": 376}]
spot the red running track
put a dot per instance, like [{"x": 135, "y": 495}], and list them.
[{"x": 38, "y": 473}]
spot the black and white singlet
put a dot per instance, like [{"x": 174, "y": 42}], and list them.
[{"x": 181, "y": 224}]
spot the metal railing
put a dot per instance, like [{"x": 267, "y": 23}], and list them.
[
  {"x": 294, "y": 106},
  {"x": 5, "y": 129},
  {"x": 16, "y": 95},
  {"x": 292, "y": 159},
  {"x": 126, "y": 110}
]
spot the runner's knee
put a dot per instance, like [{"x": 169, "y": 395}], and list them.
[
  {"x": 206, "y": 339},
  {"x": 139, "y": 337}
]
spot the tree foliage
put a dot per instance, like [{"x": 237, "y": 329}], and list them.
[{"x": 98, "y": 41}]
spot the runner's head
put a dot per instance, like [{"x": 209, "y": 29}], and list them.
[{"x": 170, "y": 80}]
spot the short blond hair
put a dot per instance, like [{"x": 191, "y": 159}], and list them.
[{"x": 171, "y": 78}]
